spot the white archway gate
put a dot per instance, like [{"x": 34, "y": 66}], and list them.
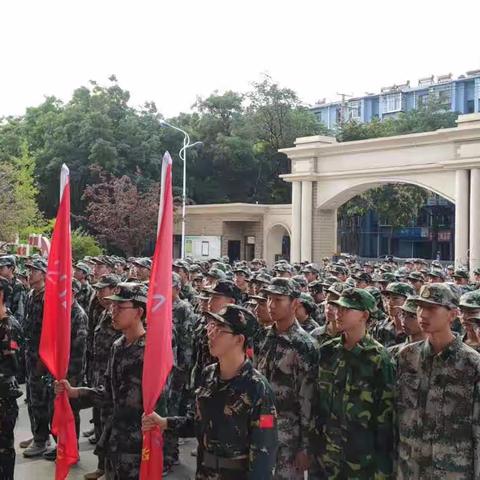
[{"x": 326, "y": 174}]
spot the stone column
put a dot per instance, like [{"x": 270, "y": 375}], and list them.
[
  {"x": 325, "y": 242},
  {"x": 461, "y": 217},
  {"x": 474, "y": 218},
  {"x": 295, "y": 247},
  {"x": 306, "y": 243}
]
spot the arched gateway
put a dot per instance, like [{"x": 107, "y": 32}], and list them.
[{"x": 325, "y": 174}]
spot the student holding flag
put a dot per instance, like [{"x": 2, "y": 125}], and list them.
[
  {"x": 234, "y": 418},
  {"x": 122, "y": 391}
]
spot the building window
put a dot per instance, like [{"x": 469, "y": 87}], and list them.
[
  {"x": 422, "y": 100},
  {"x": 392, "y": 103},
  {"x": 470, "y": 106},
  {"x": 355, "y": 110}
]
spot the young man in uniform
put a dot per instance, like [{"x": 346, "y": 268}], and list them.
[
  {"x": 352, "y": 402},
  {"x": 286, "y": 358},
  {"x": 438, "y": 396},
  {"x": 234, "y": 417}
]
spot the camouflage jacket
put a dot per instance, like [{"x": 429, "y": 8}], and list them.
[
  {"x": 188, "y": 293},
  {"x": 85, "y": 295},
  {"x": 10, "y": 340},
  {"x": 78, "y": 345},
  {"x": 103, "y": 339},
  {"x": 286, "y": 359},
  {"x": 17, "y": 300},
  {"x": 122, "y": 394},
  {"x": 233, "y": 419},
  {"x": 309, "y": 324},
  {"x": 319, "y": 315},
  {"x": 438, "y": 409},
  {"x": 183, "y": 319},
  {"x": 200, "y": 352},
  {"x": 321, "y": 335},
  {"x": 387, "y": 335},
  {"x": 32, "y": 326},
  {"x": 352, "y": 415}
]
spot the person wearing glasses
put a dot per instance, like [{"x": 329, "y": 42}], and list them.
[
  {"x": 234, "y": 416},
  {"x": 351, "y": 430},
  {"x": 122, "y": 390}
]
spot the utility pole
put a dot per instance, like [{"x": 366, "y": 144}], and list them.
[{"x": 344, "y": 107}]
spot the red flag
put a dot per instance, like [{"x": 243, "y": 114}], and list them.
[
  {"x": 55, "y": 338},
  {"x": 158, "y": 357}
]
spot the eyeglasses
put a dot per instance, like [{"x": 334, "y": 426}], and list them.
[{"x": 214, "y": 330}]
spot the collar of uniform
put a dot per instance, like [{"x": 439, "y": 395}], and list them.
[
  {"x": 246, "y": 367},
  {"x": 451, "y": 349},
  {"x": 140, "y": 341},
  {"x": 361, "y": 346},
  {"x": 274, "y": 332}
]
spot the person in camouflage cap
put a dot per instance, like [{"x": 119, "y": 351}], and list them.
[
  {"x": 352, "y": 418},
  {"x": 470, "y": 316},
  {"x": 438, "y": 401},
  {"x": 286, "y": 358},
  {"x": 16, "y": 301},
  {"x": 305, "y": 312},
  {"x": 329, "y": 330},
  {"x": 317, "y": 291},
  {"x": 462, "y": 279},
  {"x": 183, "y": 269},
  {"x": 234, "y": 416},
  {"x": 143, "y": 267},
  {"x": 416, "y": 280},
  {"x": 362, "y": 279},
  {"x": 390, "y": 331},
  {"x": 411, "y": 326},
  {"x": 123, "y": 384},
  {"x": 82, "y": 272},
  {"x": 258, "y": 281},
  {"x": 184, "y": 320}
]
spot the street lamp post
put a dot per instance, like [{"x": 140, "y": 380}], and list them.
[{"x": 183, "y": 156}]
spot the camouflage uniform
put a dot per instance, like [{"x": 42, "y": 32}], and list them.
[
  {"x": 309, "y": 325},
  {"x": 39, "y": 395},
  {"x": 9, "y": 392},
  {"x": 94, "y": 312},
  {"x": 321, "y": 335},
  {"x": 352, "y": 410},
  {"x": 438, "y": 404},
  {"x": 200, "y": 352},
  {"x": 235, "y": 420},
  {"x": 285, "y": 359},
  {"x": 177, "y": 395},
  {"x": 85, "y": 295},
  {"x": 438, "y": 407},
  {"x": 352, "y": 417},
  {"x": 16, "y": 303},
  {"x": 188, "y": 293}
]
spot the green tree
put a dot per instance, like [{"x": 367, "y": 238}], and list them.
[{"x": 84, "y": 244}]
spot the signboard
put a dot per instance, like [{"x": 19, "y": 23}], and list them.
[{"x": 203, "y": 246}]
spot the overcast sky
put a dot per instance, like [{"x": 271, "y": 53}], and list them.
[{"x": 171, "y": 51}]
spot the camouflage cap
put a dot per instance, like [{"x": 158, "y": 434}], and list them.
[
  {"x": 387, "y": 277},
  {"x": 283, "y": 286},
  {"x": 436, "y": 264},
  {"x": 410, "y": 305},
  {"x": 143, "y": 262},
  {"x": 460, "y": 273},
  {"x": 176, "y": 280},
  {"x": 357, "y": 299},
  {"x": 476, "y": 271},
  {"x": 261, "y": 278},
  {"x": 37, "y": 263},
  {"x": 436, "y": 273},
  {"x": 283, "y": 267},
  {"x": 240, "y": 320},
  {"x": 181, "y": 264},
  {"x": 216, "y": 273},
  {"x": 376, "y": 294},
  {"x": 415, "y": 277},
  {"x": 301, "y": 280},
  {"x": 308, "y": 302},
  {"x": 329, "y": 281},
  {"x": 130, "y": 292},
  {"x": 8, "y": 261},
  {"x": 362, "y": 276},
  {"x": 103, "y": 260},
  {"x": 226, "y": 288},
  {"x": 339, "y": 269},
  {"x": 83, "y": 267},
  {"x": 261, "y": 297},
  {"x": 437, "y": 294},
  {"x": 242, "y": 269},
  {"x": 470, "y": 300},
  {"x": 450, "y": 267},
  {"x": 399, "y": 288},
  {"x": 310, "y": 268},
  {"x": 107, "y": 280},
  {"x": 350, "y": 282},
  {"x": 220, "y": 265},
  {"x": 337, "y": 288},
  {"x": 317, "y": 286}
]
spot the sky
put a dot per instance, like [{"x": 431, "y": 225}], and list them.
[{"x": 172, "y": 51}]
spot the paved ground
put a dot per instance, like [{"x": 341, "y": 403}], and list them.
[{"x": 40, "y": 469}]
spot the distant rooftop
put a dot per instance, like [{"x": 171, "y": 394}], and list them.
[{"x": 422, "y": 83}]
